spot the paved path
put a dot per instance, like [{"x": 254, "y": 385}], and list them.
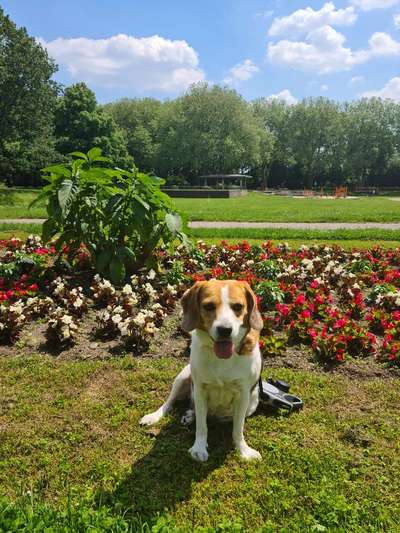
[
  {"x": 262, "y": 225},
  {"x": 22, "y": 220},
  {"x": 297, "y": 225}
]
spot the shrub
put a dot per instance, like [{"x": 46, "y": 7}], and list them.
[
  {"x": 270, "y": 293},
  {"x": 120, "y": 216}
]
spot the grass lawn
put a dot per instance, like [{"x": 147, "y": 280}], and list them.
[
  {"x": 70, "y": 441},
  {"x": 254, "y": 207},
  {"x": 15, "y": 204},
  {"x": 257, "y": 207}
]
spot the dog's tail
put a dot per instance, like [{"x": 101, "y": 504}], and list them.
[{"x": 181, "y": 389}]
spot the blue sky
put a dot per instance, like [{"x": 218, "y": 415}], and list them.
[{"x": 286, "y": 48}]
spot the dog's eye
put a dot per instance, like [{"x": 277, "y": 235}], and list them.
[
  {"x": 209, "y": 307},
  {"x": 237, "y": 307}
]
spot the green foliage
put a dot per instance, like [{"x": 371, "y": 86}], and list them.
[
  {"x": 379, "y": 290},
  {"x": 27, "y": 101},
  {"x": 270, "y": 293},
  {"x": 272, "y": 346},
  {"x": 80, "y": 124},
  {"x": 267, "y": 269},
  {"x": 208, "y": 130},
  {"x": 140, "y": 121},
  {"x": 360, "y": 265},
  {"x": 120, "y": 216}
]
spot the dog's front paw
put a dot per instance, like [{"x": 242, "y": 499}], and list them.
[
  {"x": 249, "y": 454},
  {"x": 150, "y": 419},
  {"x": 199, "y": 453}
]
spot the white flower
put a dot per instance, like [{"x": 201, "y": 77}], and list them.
[
  {"x": 172, "y": 290},
  {"x": 116, "y": 319},
  {"x": 78, "y": 302},
  {"x": 66, "y": 333},
  {"x": 151, "y": 274},
  {"x": 127, "y": 289}
]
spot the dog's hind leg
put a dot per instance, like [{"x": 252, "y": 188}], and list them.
[{"x": 181, "y": 388}]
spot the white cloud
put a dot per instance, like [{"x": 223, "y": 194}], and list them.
[
  {"x": 285, "y": 96},
  {"x": 241, "y": 72},
  {"x": 324, "y": 51},
  {"x": 306, "y": 20},
  {"x": 146, "y": 63},
  {"x": 382, "y": 44},
  {"x": 368, "y": 5},
  {"x": 324, "y": 88},
  {"x": 356, "y": 79},
  {"x": 396, "y": 20},
  {"x": 390, "y": 90}
]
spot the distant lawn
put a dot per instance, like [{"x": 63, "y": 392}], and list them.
[
  {"x": 254, "y": 207},
  {"x": 73, "y": 457},
  {"x": 15, "y": 204},
  {"x": 258, "y": 207},
  {"x": 376, "y": 235}
]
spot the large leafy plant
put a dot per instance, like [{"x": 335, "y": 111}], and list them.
[{"x": 120, "y": 216}]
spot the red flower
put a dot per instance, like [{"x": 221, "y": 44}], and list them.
[{"x": 300, "y": 300}]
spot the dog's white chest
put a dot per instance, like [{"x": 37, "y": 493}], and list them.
[{"x": 221, "y": 397}]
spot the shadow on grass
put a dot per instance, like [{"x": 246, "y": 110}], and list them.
[{"x": 163, "y": 478}]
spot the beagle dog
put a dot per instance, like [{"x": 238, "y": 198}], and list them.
[{"x": 225, "y": 361}]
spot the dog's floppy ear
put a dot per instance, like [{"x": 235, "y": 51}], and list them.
[
  {"x": 253, "y": 314},
  {"x": 191, "y": 307}
]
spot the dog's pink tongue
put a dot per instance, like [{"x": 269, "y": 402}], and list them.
[{"x": 223, "y": 349}]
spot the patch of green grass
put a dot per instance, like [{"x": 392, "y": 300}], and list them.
[
  {"x": 256, "y": 207},
  {"x": 252, "y": 208},
  {"x": 15, "y": 204},
  {"x": 8, "y": 230},
  {"x": 377, "y": 234},
  {"x": 71, "y": 444}
]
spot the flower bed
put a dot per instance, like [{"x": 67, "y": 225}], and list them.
[{"x": 342, "y": 305}]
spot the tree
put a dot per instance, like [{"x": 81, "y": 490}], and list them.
[
  {"x": 80, "y": 124},
  {"x": 27, "y": 101},
  {"x": 139, "y": 119},
  {"x": 208, "y": 130},
  {"x": 371, "y": 139},
  {"x": 314, "y": 137}
]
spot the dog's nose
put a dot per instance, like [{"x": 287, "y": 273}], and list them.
[{"x": 224, "y": 332}]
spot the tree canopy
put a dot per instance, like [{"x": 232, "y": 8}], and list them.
[
  {"x": 208, "y": 130},
  {"x": 27, "y": 100}
]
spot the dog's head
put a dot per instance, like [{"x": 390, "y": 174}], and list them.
[{"x": 225, "y": 310}]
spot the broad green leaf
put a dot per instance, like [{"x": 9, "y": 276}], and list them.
[
  {"x": 103, "y": 260},
  {"x": 95, "y": 154},
  {"x": 174, "y": 222},
  {"x": 49, "y": 229},
  {"x": 117, "y": 270},
  {"x": 81, "y": 155},
  {"x": 124, "y": 252},
  {"x": 60, "y": 170},
  {"x": 64, "y": 194}
]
